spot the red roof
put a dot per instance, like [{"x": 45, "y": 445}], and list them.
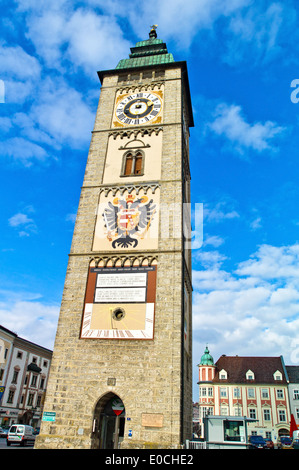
[{"x": 262, "y": 367}]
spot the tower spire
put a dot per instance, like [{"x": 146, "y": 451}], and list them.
[{"x": 152, "y": 33}]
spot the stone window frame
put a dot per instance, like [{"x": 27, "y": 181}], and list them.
[{"x": 135, "y": 153}]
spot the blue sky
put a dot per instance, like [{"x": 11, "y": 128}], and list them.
[{"x": 242, "y": 58}]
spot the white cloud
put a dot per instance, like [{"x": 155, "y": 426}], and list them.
[
  {"x": 23, "y": 222},
  {"x": 182, "y": 21},
  {"x": 15, "y": 62},
  {"x": 67, "y": 38},
  {"x": 19, "y": 72},
  {"x": 23, "y": 151},
  {"x": 19, "y": 219},
  {"x": 62, "y": 113},
  {"x": 71, "y": 217},
  {"x": 29, "y": 129},
  {"x": 252, "y": 311},
  {"x": 271, "y": 262},
  {"x": 32, "y": 320},
  {"x": 46, "y": 31},
  {"x": 256, "y": 32},
  {"x": 19, "y": 92},
  {"x": 58, "y": 116},
  {"x": 55, "y": 113},
  {"x": 209, "y": 258},
  {"x": 230, "y": 123},
  {"x": 5, "y": 124},
  {"x": 213, "y": 240},
  {"x": 256, "y": 223},
  {"x": 94, "y": 40},
  {"x": 219, "y": 212}
]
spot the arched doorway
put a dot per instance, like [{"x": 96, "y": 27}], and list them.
[
  {"x": 108, "y": 423},
  {"x": 283, "y": 432}
]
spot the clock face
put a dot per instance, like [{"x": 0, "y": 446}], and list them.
[{"x": 138, "y": 108}]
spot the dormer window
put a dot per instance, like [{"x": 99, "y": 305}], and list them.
[
  {"x": 249, "y": 375},
  {"x": 277, "y": 375},
  {"x": 223, "y": 375}
]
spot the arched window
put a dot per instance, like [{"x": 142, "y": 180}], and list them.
[
  {"x": 128, "y": 164},
  {"x": 133, "y": 163}
]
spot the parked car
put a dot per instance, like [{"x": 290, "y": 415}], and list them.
[
  {"x": 269, "y": 443},
  {"x": 20, "y": 434},
  {"x": 257, "y": 442},
  {"x": 295, "y": 444},
  {"x": 284, "y": 442},
  {"x": 3, "y": 432}
]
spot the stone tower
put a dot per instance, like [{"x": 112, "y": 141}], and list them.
[{"x": 121, "y": 374}]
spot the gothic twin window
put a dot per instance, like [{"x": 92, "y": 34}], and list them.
[{"x": 133, "y": 163}]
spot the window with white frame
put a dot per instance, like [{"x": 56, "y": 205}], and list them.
[
  {"x": 252, "y": 413},
  {"x": 33, "y": 381},
  {"x": 249, "y": 375},
  {"x": 30, "y": 399},
  {"x": 206, "y": 411},
  {"x": 296, "y": 394},
  {"x": 237, "y": 392},
  {"x": 265, "y": 393},
  {"x": 267, "y": 414},
  {"x": 223, "y": 375},
  {"x": 251, "y": 392},
  {"x": 10, "y": 397},
  {"x": 223, "y": 392},
  {"x": 282, "y": 416},
  {"x": 15, "y": 376},
  {"x": 277, "y": 375},
  {"x": 223, "y": 410},
  {"x": 280, "y": 394}
]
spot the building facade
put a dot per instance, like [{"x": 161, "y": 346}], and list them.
[
  {"x": 122, "y": 367},
  {"x": 293, "y": 387},
  {"x": 24, "y": 371},
  {"x": 255, "y": 387}
]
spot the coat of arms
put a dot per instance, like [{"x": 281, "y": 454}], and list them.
[{"x": 128, "y": 219}]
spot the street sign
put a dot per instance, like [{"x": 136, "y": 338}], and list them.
[
  {"x": 117, "y": 406},
  {"x": 49, "y": 416}
]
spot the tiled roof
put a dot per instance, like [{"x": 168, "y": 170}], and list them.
[
  {"x": 237, "y": 366},
  {"x": 145, "y": 61},
  {"x": 150, "y": 52},
  {"x": 293, "y": 374}
]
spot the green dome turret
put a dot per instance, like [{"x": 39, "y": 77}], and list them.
[{"x": 206, "y": 358}]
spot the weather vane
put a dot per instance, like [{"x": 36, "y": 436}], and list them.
[{"x": 153, "y": 31}]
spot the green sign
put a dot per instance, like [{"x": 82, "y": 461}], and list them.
[{"x": 49, "y": 416}]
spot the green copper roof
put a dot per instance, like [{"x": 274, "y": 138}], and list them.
[
  {"x": 206, "y": 358},
  {"x": 153, "y": 51}
]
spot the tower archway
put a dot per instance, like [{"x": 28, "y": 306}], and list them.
[{"x": 108, "y": 422}]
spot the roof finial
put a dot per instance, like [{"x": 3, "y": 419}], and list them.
[{"x": 153, "y": 33}]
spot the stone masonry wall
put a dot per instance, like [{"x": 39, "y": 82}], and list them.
[{"x": 147, "y": 373}]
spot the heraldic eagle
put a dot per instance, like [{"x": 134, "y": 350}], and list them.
[{"x": 128, "y": 219}]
